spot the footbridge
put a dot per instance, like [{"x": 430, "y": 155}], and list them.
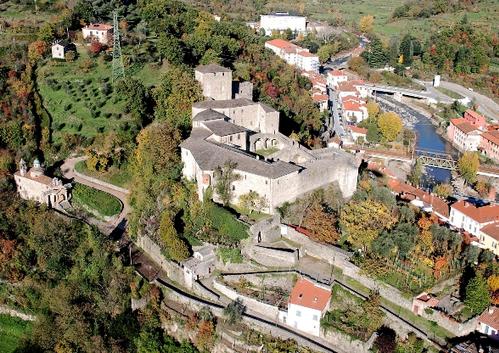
[{"x": 423, "y": 94}]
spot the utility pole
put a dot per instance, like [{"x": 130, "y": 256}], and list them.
[{"x": 118, "y": 68}]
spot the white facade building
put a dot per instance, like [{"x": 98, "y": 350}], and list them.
[
  {"x": 488, "y": 322},
  {"x": 60, "y": 48},
  {"x": 466, "y": 216},
  {"x": 100, "y": 32},
  {"x": 294, "y": 54},
  {"x": 335, "y": 77},
  {"x": 282, "y": 21},
  {"x": 308, "y": 302}
]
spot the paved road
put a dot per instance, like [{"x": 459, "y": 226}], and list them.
[
  {"x": 68, "y": 171},
  {"x": 486, "y": 105}
]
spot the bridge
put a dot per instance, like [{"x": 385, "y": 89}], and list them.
[{"x": 423, "y": 94}]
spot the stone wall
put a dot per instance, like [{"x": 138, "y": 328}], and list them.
[
  {"x": 273, "y": 257},
  {"x": 16, "y": 313},
  {"x": 457, "y": 328},
  {"x": 268, "y": 229},
  {"x": 251, "y": 304},
  {"x": 347, "y": 343},
  {"x": 101, "y": 183}
]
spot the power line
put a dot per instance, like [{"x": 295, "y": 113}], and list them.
[{"x": 118, "y": 68}]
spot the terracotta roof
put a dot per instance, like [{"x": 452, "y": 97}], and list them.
[
  {"x": 349, "y": 86},
  {"x": 352, "y": 106},
  {"x": 42, "y": 179},
  {"x": 482, "y": 214},
  {"x": 492, "y": 230},
  {"x": 336, "y": 72},
  {"x": 99, "y": 26},
  {"x": 320, "y": 97},
  {"x": 310, "y": 295},
  {"x": 457, "y": 121},
  {"x": 351, "y": 98},
  {"x": 281, "y": 43},
  {"x": 490, "y": 318},
  {"x": 307, "y": 54},
  {"x": 492, "y": 136},
  {"x": 474, "y": 114},
  {"x": 466, "y": 127},
  {"x": 437, "y": 204},
  {"x": 358, "y": 130}
]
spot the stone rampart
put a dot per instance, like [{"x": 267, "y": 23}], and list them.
[
  {"x": 267, "y": 229},
  {"x": 273, "y": 257}
]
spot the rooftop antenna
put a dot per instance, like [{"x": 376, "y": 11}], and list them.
[{"x": 118, "y": 68}]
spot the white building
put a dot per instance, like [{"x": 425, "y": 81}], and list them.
[
  {"x": 34, "y": 185},
  {"x": 464, "y": 215},
  {"x": 488, "y": 322},
  {"x": 294, "y": 54},
  {"x": 200, "y": 265},
  {"x": 100, "y": 32},
  {"x": 489, "y": 237},
  {"x": 335, "y": 77},
  {"x": 281, "y": 21},
  {"x": 60, "y": 48},
  {"x": 321, "y": 100},
  {"x": 308, "y": 302}
]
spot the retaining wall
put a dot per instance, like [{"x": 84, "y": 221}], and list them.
[
  {"x": 100, "y": 182},
  {"x": 273, "y": 257},
  {"x": 267, "y": 228},
  {"x": 15, "y": 313},
  {"x": 345, "y": 343}
]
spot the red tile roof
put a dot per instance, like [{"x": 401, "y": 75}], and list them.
[
  {"x": 474, "y": 114},
  {"x": 481, "y": 214},
  {"x": 492, "y": 136},
  {"x": 99, "y": 26},
  {"x": 310, "y": 295},
  {"x": 358, "y": 130},
  {"x": 320, "y": 97},
  {"x": 490, "y": 318},
  {"x": 306, "y": 54},
  {"x": 352, "y": 106},
  {"x": 281, "y": 43},
  {"x": 336, "y": 72},
  {"x": 492, "y": 230}
]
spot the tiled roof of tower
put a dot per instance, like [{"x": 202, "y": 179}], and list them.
[
  {"x": 212, "y": 68},
  {"x": 310, "y": 295}
]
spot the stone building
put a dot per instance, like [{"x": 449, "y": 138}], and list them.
[
  {"x": 34, "y": 185},
  {"x": 216, "y": 81},
  {"x": 234, "y": 130}
]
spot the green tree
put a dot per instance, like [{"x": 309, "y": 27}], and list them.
[
  {"x": 468, "y": 165},
  {"x": 390, "y": 125},
  {"x": 137, "y": 99},
  {"x": 477, "y": 297},
  {"x": 443, "y": 190},
  {"x": 234, "y": 311},
  {"x": 375, "y": 54},
  {"x": 176, "y": 249},
  {"x": 416, "y": 173},
  {"x": 224, "y": 177},
  {"x": 170, "y": 48}
]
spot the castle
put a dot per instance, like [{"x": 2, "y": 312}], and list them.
[
  {"x": 34, "y": 185},
  {"x": 227, "y": 128}
]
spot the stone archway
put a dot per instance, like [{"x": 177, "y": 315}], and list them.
[{"x": 260, "y": 144}]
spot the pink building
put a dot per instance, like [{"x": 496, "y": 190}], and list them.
[
  {"x": 475, "y": 119},
  {"x": 464, "y": 135},
  {"x": 423, "y": 301},
  {"x": 489, "y": 144}
]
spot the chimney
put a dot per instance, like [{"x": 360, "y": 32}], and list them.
[{"x": 491, "y": 310}]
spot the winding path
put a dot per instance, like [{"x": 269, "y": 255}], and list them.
[{"x": 69, "y": 172}]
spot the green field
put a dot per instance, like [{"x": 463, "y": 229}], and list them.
[
  {"x": 99, "y": 201},
  {"x": 117, "y": 176},
  {"x": 12, "y": 331}
]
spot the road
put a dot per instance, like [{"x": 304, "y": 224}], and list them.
[
  {"x": 68, "y": 171},
  {"x": 486, "y": 105}
]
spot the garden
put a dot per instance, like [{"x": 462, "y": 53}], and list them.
[
  {"x": 95, "y": 201},
  {"x": 117, "y": 176}
]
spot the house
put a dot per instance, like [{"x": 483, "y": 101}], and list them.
[
  {"x": 307, "y": 304},
  {"x": 488, "y": 322},
  {"x": 100, "y": 32},
  {"x": 335, "y": 77},
  {"x": 489, "y": 145},
  {"x": 318, "y": 81},
  {"x": 321, "y": 100},
  {"x": 354, "y": 111},
  {"x": 359, "y": 134},
  {"x": 60, "y": 48},
  {"x": 489, "y": 237},
  {"x": 465, "y": 215},
  {"x": 294, "y": 54},
  {"x": 34, "y": 185},
  {"x": 464, "y": 135},
  {"x": 422, "y": 302},
  {"x": 200, "y": 265},
  {"x": 234, "y": 130},
  {"x": 349, "y": 88},
  {"x": 281, "y": 21},
  {"x": 475, "y": 119}
]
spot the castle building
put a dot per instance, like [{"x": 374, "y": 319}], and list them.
[
  {"x": 241, "y": 131},
  {"x": 34, "y": 185}
]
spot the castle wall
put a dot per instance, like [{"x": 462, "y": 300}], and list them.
[{"x": 217, "y": 86}]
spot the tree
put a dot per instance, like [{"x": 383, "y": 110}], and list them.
[
  {"x": 477, "y": 297},
  {"x": 36, "y": 50},
  {"x": 326, "y": 51},
  {"x": 366, "y": 24},
  {"x": 363, "y": 221},
  {"x": 170, "y": 49},
  {"x": 386, "y": 342},
  {"x": 137, "y": 99},
  {"x": 95, "y": 48},
  {"x": 483, "y": 187},
  {"x": 358, "y": 64},
  {"x": 468, "y": 165},
  {"x": 252, "y": 201},
  {"x": 321, "y": 224},
  {"x": 375, "y": 53},
  {"x": 70, "y": 56},
  {"x": 175, "y": 247},
  {"x": 416, "y": 173},
  {"x": 443, "y": 190},
  {"x": 390, "y": 125},
  {"x": 372, "y": 109},
  {"x": 234, "y": 311},
  {"x": 409, "y": 47},
  {"x": 224, "y": 177}
]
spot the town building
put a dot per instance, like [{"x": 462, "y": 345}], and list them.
[
  {"x": 34, "y": 185},
  {"x": 235, "y": 130},
  {"x": 465, "y": 215},
  {"x": 60, "y": 48},
  {"x": 335, "y": 77},
  {"x": 216, "y": 81},
  {"x": 282, "y": 21},
  {"x": 489, "y": 237},
  {"x": 100, "y": 32},
  {"x": 475, "y": 119},
  {"x": 464, "y": 135},
  {"x": 318, "y": 81},
  {"x": 354, "y": 111},
  {"x": 321, "y": 100},
  {"x": 307, "y": 304},
  {"x": 294, "y": 54},
  {"x": 359, "y": 134},
  {"x": 489, "y": 144},
  {"x": 488, "y": 322}
]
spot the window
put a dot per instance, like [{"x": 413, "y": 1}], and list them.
[
  {"x": 233, "y": 188},
  {"x": 315, "y": 317},
  {"x": 298, "y": 313}
]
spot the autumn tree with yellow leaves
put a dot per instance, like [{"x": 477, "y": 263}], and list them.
[
  {"x": 366, "y": 24},
  {"x": 390, "y": 125}
]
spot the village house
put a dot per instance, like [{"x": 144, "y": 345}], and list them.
[
  {"x": 488, "y": 322},
  {"x": 335, "y": 77},
  {"x": 281, "y": 21},
  {"x": 321, "y": 100},
  {"x": 61, "y": 47},
  {"x": 354, "y": 110},
  {"x": 359, "y": 134},
  {"x": 465, "y": 136},
  {"x": 350, "y": 88},
  {"x": 234, "y": 130},
  {"x": 307, "y": 304},
  {"x": 34, "y": 185},
  {"x": 489, "y": 145},
  {"x": 422, "y": 302},
  {"x": 465, "y": 215},
  {"x": 318, "y": 81},
  {"x": 200, "y": 265},
  {"x": 294, "y": 54},
  {"x": 100, "y": 32},
  {"x": 489, "y": 237}
]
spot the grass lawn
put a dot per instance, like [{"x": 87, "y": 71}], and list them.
[
  {"x": 99, "y": 201},
  {"x": 12, "y": 331},
  {"x": 231, "y": 255},
  {"x": 226, "y": 224},
  {"x": 267, "y": 152},
  {"x": 116, "y": 176},
  {"x": 449, "y": 93}
]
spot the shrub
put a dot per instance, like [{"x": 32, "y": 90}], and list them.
[
  {"x": 68, "y": 106},
  {"x": 95, "y": 48}
]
